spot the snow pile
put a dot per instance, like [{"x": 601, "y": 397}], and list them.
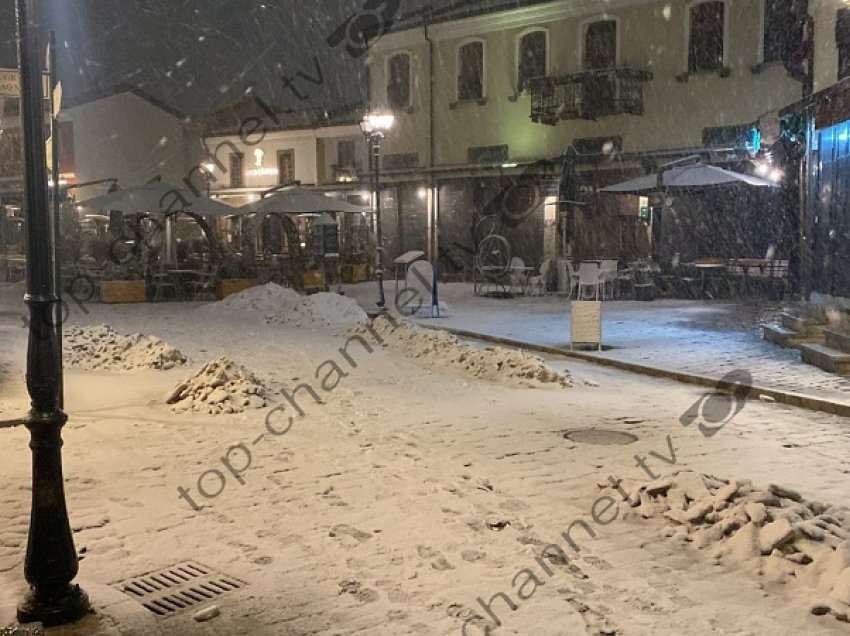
[
  {"x": 773, "y": 532},
  {"x": 283, "y": 306},
  {"x": 221, "y": 386},
  {"x": 323, "y": 310},
  {"x": 101, "y": 347},
  {"x": 262, "y": 299},
  {"x": 440, "y": 348}
]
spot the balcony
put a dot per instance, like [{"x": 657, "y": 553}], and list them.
[{"x": 588, "y": 95}]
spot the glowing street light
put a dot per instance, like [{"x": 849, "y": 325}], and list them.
[{"x": 375, "y": 127}]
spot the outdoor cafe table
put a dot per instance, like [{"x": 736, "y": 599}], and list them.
[{"x": 705, "y": 267}]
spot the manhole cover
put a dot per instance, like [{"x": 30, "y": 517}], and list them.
[
  {"x": 178, "y": 587},
  {"x": 601, "y": 437}
]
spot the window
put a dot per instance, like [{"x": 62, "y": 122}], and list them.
[
  {"x": 398, "y": 81},
  {"x": 470, "y": 75},
  {"x": 236, "y": 162},
  {"x": 531, "y": 58},
  {"x": 842, "y": 42},
  {"x": 600, "y": 45},
  {"x": 705, "y": 45},
  {"x": 779, "y": 28},
  {"x": 345, "y": 154},
  {"x": 285, "y": 167}
]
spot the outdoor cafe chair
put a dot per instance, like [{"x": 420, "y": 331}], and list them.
[
  {"x": 162, "y": 287},
  {"x": 518, "y": 273},
  {"x": 573, "y": 280},
  {"x": 608, "y": 276},
  {"x": 590, "y": 277},
  {"x": 537, "y": 284}
]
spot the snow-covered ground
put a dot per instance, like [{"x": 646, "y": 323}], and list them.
[
  {"x": 705, "y": 338},
  {"x": 410, "y": 490}
]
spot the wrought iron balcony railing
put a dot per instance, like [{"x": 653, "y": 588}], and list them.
[{"x": 588, "y": 94}]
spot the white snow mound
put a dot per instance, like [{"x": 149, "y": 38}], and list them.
[
  {"x": 283, "y": 306},
  {"x": 772, "y": 532},
  {"x": 221, "y": 386},
  {"x": 442, "y": 349},
  {"x": 322, "y": 310},
  {"x": 103, "y": 348},
  {"x": 261, "y": 299}
]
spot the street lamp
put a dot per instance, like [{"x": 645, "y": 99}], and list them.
[
  {"x": 375, "y": 127},
  {"x": 51, "y": 560}
]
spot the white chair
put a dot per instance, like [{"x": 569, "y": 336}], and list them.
[
  {"x": 537, "y": 284},
  {"x": 589, "y": 276},
  {"x": 608, "y": 276},
  {"x": 574, "y": 279},
  {"x": 518, "y": 273}
]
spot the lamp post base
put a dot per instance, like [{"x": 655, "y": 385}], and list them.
[{"x": 56, "y": 608}]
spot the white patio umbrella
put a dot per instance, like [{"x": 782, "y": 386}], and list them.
[
  {"x": 158, "y": 197},
  {"x": 696, "y": 176},
  {"x": 300, "y": 201}
]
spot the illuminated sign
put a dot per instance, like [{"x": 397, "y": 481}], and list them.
[{"x": 258, "y": 170}]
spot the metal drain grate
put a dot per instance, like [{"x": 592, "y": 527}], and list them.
[{"x": 178, "y": 587}]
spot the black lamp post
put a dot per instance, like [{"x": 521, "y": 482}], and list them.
[
  {"x": 374, "y": 127},
  {"x": 51, "y": 561}
]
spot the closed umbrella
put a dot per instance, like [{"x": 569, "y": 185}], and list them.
[{"x": 692, "y": 177}]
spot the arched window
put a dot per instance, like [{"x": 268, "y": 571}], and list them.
[
  {"x": 532, "y": 57},
  {"x": 470, "y": 71},
  {"x": 706, "y": 35},
  {"x": 399, "y": 81},
  {"x": 599, "y": 44}
]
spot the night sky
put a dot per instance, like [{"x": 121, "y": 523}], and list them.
[{"x": 198, "y": 55}]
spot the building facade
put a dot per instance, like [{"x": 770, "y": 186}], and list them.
[
  {"x": 127, "y": 135},
  {"x": 485, "y": 101},
  {"x": 252, "y": 147}
]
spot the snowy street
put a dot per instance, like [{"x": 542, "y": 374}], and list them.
[{"x": 409, "y": 493}]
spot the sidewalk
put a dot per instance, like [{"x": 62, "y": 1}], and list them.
[{"x": 678, "y": 336}]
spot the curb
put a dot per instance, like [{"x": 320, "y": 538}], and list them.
[{"x": 800, "y": 400}]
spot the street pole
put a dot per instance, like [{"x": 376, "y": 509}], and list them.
[
  {"x": 51, "y": 559},
  {"x": 56, "y": 225},
  {"x": 375, "y": 138}
]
